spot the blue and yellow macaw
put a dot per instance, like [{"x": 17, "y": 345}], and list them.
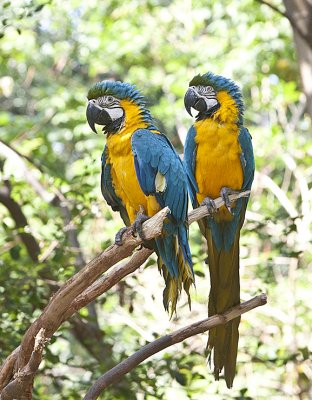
[
  {"x": 219, "y": 161},
  {"x": 141, "y": 174}
]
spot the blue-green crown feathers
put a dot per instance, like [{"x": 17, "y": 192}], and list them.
[
  {"x": 220, "y": 83},
  {"x": 121, "y": 90}
]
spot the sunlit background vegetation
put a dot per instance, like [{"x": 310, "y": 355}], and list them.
[{"x": 51, "y": 53}]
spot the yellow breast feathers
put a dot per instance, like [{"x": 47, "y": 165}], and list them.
[{"x": 218, "y": 152}]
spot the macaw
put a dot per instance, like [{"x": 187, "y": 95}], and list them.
[
  {"x": 141, "y": 174},
  {"x": 219, "y": 160}
]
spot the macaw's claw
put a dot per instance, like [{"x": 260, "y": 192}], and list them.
[
  {"x": 225, "y": 193},
  {"x": 137, "y": 225},
  {"x": 211, "y": 206},
  {"x": 119, "y": 234}
]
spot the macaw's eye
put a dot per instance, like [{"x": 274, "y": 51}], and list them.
[{"x": 110, "y": 99}]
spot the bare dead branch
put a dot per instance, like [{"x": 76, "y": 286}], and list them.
[{"x": 116, "y": 373}]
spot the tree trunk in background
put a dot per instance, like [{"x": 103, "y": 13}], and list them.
[{"x": 299, "y": 13}]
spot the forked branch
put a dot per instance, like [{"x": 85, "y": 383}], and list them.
[{"x": 86, "y": 285}]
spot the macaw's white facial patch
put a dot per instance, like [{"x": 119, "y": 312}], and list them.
[
  {"x": 160, "y": 182},
  {"x": 211, "y": 103},
  {"x": 114, "y": 113}
]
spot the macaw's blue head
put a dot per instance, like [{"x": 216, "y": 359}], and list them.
[
  {"x": 215, "y": 96},
  {"x": 114, "y": 105}
]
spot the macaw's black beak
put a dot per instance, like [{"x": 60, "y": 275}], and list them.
[
  {"x": 96, "y": 115},
  {"x": 191, "y": 99}
]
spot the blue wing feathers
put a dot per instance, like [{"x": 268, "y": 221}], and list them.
[
  {"x": 247, "y": 157},
  {"x": 189, "y": 162},
  {"x": 154, "y": 153}
]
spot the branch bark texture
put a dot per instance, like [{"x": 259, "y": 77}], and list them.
[{"x": 85, "y": 286}]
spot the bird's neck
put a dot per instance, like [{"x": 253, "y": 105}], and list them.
[{"x": 228, "y": 112}]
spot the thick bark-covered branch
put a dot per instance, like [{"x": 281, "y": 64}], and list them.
[
  {"x": 22, "y": 385},
  {"x": 82, "y": 287},
  {"x": 52, "y": 316},
  {"x": 116, "y": 373},
  {"x": 58, "y": 200},
  {"x": 7, "y": 368},
  {"x": 107, "y": 281}
]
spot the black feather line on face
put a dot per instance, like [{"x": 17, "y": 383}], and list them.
[
  {"x": 114, "y": 126},
  {"x": 206, "y": 114}
]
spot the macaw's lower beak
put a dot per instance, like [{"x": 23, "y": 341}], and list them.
[
  {"x": 192, "y": 100},
  {"x": 96, "y": 115}
]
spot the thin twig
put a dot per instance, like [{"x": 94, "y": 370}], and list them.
[{"x": 116, "y": 373}]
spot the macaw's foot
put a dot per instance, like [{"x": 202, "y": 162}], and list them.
[
  {"x": 119, "y": 234},
  {"x": 137, "y": 225},
  {"x": 225, "y": 193},
  {"x": 211, "y": 206},
  {"x": 136, "y": 229}
]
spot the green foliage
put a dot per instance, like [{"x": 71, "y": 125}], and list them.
[{"x": 50, "y": 55}]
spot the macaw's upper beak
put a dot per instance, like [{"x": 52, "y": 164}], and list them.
[
  {"x": 97, "y": 115},
  {"x": 191, "y": 99}
]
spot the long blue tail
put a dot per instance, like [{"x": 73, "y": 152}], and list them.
[{"x": 175, "y": 263}]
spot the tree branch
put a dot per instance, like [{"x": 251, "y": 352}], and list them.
[
  {"x": 58, "y": 200},
  {"x": 107, "y": 281},
  {"x": 291, "y": 20},
  {"x": 75, "y": 293},
  {"x": 7, "y": 368},
  {"x": 21, "y": 386},
  {"x": 116, "y": 373},
  {"x": 52, "y": 316},
  {"x": 202, "y": 211}
]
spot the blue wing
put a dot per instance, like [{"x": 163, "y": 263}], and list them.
[
  {"x": 108, "y": 190},
  {"x": 154, "y": 155},
  {"x": 156, "y": 160},
  {"x": 189, "y": 163},
  {"x": 248, "y": 164},
  {"x": 247, "y": 157}
]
